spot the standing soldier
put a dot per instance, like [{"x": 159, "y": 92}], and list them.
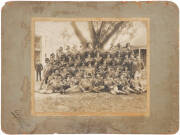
[
  {"x": 46, "y": 72},
  {"x": 140, "y": 64},
  {"x": 138, "y": 72},
  {"x": 136, "y": 65},
  {"x": 38, "y": 68}
]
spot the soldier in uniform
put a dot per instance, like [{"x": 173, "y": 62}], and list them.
[
  {"x": 38, "y": 68},
  {"x": 59, "y": 53},
  {"x": 46, "y": 73},
  {"x": 78, "y": 61},
  {"x": 137, "y": 86},
  {"x": 85, "y": 84},
  {"x": 117, "y": 61},
  {"x": 54, "y": 82},
  {"x": 71, "y": 61},
  {"x": 127, "y": 62},
  {"x": 126, "y": 73},
  {"x": 108, "y": 83},
  {"x": 90, "y": 69},
  {"x": 138, "y": 65},
  {"x": 123, "y": 85},
  {"x": 88, "y": 60},
  {"x": 52, "y": 58},
  {"x": 108, "y": 59},
  {"x": 65, "y": 84},
  {"x": 104, "y": 63},
  {"x": 98, "y": 83},
  {"x": 134, "y": 66},
  {"x": 128, "y": 49},
  {"x": 98, "y": 58}
]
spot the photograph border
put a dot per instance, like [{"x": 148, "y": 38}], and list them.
[{"x": 147, "y": 113}]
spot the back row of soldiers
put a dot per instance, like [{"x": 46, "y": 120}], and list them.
[{"x": 117, "y": 72}]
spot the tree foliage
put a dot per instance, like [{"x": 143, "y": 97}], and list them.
[{"x": 100, "y": 32}]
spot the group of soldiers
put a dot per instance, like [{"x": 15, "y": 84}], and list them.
[{"x": 117, "y": 72}]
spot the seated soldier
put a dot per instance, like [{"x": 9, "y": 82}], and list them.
[
  {"x": 111, "y": 72},
  {"x": 101, "y": 70},
  {"x": 55, "y": 83},
  {"x": 64, "y": 73},
  {"x": 108, "y": 83},
  {"x": 126, "y": 73},
  {"x": 65, "y": 84},
  {"x": 123, "y": 85},
  {"x": 137, "y": 85},
  {"x": 98, "y": 83},
  {"x": 50, "y": 78},
  {"x": 113, "y": 89},
  {"x": 90, "y": 69},
  {"x": 72, "y": 70},
  {"x": 85, "y": 84}
]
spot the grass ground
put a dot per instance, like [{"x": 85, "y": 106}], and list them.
[{"x": 89, "y": 102}]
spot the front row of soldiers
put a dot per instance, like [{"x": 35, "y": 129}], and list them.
[{"x": 124, "y": 78}]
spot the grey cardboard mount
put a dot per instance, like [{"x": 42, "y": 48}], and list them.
[{"x": 16, "y": 68}]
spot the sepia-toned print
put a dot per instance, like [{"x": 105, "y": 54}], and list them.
[{"x": 90, "y": 66}]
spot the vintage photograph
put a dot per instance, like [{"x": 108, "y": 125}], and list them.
[{"x": 90, "y": 66}]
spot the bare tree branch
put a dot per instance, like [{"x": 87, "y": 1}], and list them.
[
  {"x": 92, "y": 31},
  {"x": 100, "y": 29},
  {"x": 105, "y": 31},
  {"x": 93, "y": 34},
  {"x": 79, "y": 35},
  {"x": 116, "y": 28}
]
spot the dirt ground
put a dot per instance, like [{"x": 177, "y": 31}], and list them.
[{"x": 89, "y": 102}]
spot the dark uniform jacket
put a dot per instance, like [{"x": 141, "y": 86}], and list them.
[{"x": 39, "y": 67}]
